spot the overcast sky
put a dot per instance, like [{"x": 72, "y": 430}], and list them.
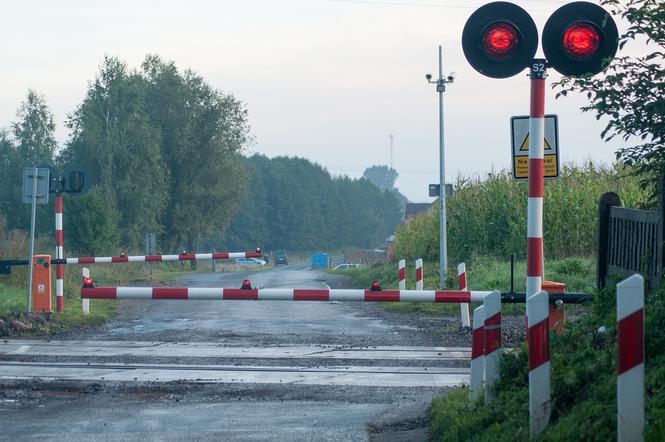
[{"x": 325, "y": 80}]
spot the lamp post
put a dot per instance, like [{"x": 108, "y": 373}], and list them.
[{"x": 443, "y": 251}]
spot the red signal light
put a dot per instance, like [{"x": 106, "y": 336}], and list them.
[
  {"x": 87, "y": 282},
  {"x": 246, "y": 285},
  {"x": 376, "y": 287},
  {"x": 581, "y": 41},
  {"x": 500, "y": 40}
]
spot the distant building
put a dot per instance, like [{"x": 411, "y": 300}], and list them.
[{"x": 413, "y": 209}]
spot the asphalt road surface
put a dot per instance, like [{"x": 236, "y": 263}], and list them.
[{"x": 234, "y": 370}]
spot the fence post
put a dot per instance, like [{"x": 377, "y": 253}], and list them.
[
  {"x": 419, "y": 274},
  {"x": 492, "y": 341},
  {"x": 607, "y": 200},
  {"x": 630, "y": 359},
  {"x": 85, "y": 303},
  {"x": 402, "y": 274},
  {"x": 537, "y": 310},
  {"x": 477, "y": 354},
  {"x": 464, "y": 307}
]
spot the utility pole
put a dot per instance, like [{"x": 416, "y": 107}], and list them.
[
  {"x": 392, "y": 138},
  {"x": 443, "y": 251}
]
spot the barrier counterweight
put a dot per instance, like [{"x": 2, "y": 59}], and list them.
[{"x": 436, "y": 296}]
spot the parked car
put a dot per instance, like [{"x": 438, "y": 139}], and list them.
[
  {"x": 347, "y": 266},
  {"x": 280, "y": 258},
  {"x": 250, "y": 261}
]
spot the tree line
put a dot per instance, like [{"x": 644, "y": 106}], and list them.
[
  {"x": 164, "y": 151},
  {"x": 295, "y": 204}
]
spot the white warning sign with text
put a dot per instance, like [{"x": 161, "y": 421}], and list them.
[{"x": 519, "y": 133}]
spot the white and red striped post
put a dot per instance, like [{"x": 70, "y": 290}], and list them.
[
  {"x": 59, "y": 268},
  {"x": 402, "y": 274},
  {"x": 419, "y": 274},
  {"x": 491, "y": 341},
  {"x": 85, "y": 302},
  {"x": 539, "y": 381},
  {"x": 477, "y": 354},
  {"x": 538, "y": 337},
  {"x": 464, "y": 308},
  {"x": 630, "y": 359}
]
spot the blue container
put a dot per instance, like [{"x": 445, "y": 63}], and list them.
[{"x": 319, "y": 261}]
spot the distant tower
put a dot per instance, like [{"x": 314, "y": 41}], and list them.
[{"x": 392, "y": 137}]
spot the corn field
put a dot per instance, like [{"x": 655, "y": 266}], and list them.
[{"x": 488, "y": 217}]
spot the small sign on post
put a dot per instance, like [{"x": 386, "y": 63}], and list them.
[
  {"x": 42, "y": 185},
  {"x": 519, "y": 134}
]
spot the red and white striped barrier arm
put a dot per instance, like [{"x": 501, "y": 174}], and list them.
[
  {"x": 491, "y": 341},
  {"x": 436, "y": 296},
  {"x": 402, "y": 274},
  {"x": 464, "y": 308},
  {"x": 419, "y": 274},
  {"x": 477, "y": 354},
  {"x": 630, "y": 359},
  {"x": 538, "y": 338},
  {"x": 161, "y": 258},
  {"x": 59, "y": 268}
]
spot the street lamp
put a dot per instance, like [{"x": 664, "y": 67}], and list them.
[{"x": 441, "y": 88}]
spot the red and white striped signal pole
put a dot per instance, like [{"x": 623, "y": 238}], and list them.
[
  {"x": 402, "y": 274},
  {"x": 59, "y": 268},
  {"x": 539, "y": 404}
]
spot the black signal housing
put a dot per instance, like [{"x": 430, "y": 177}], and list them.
[
  {"x": 578, "y": 38},
  {"x": 499, "y": 39}
]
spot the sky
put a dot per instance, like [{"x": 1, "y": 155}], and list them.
[{"x": 327, "y": 80}]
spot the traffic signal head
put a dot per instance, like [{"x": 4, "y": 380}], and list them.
[
  {"x": 499, "y": 39},
  {"x": 578, "y": 37}
]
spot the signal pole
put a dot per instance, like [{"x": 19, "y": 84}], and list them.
[{"x": 443, "y": 251}]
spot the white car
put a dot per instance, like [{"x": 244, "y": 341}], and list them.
[
  {"x": 346, "y": 266},
  {"x": 250, "y": 261}
]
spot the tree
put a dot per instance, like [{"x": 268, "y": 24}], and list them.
[
  {"x": 113, "y": 137},
  {"x": 203, "y": 132},
  {"x": 631, "y": 93},
  {"x": 34, "y": 131},
  {"x": 383, "y": 177}
]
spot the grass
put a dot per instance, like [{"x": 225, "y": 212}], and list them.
[
  {"x": 583, "y": 375},
  {"x": 483, "y": 273}
]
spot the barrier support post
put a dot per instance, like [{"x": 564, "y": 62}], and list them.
[
  {"x": 477, "y": 355},
  {"x": 85, "y": 303},
  {"x": 538, "y": 337},
  {"x": 464, "y": 307},
  {"x": 492, "y": 342},
  {"x": 630, "y": 359},
  {"x": 402, "y": 274},
  {"x": 419, "y": 274}
]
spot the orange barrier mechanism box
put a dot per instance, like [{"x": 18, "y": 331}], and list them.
[
  {"x": 41, "y": 284},
  {"x": 557, "y": 312}
]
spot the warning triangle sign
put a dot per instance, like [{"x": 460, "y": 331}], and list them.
[{"x": 525, "y": 144}]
